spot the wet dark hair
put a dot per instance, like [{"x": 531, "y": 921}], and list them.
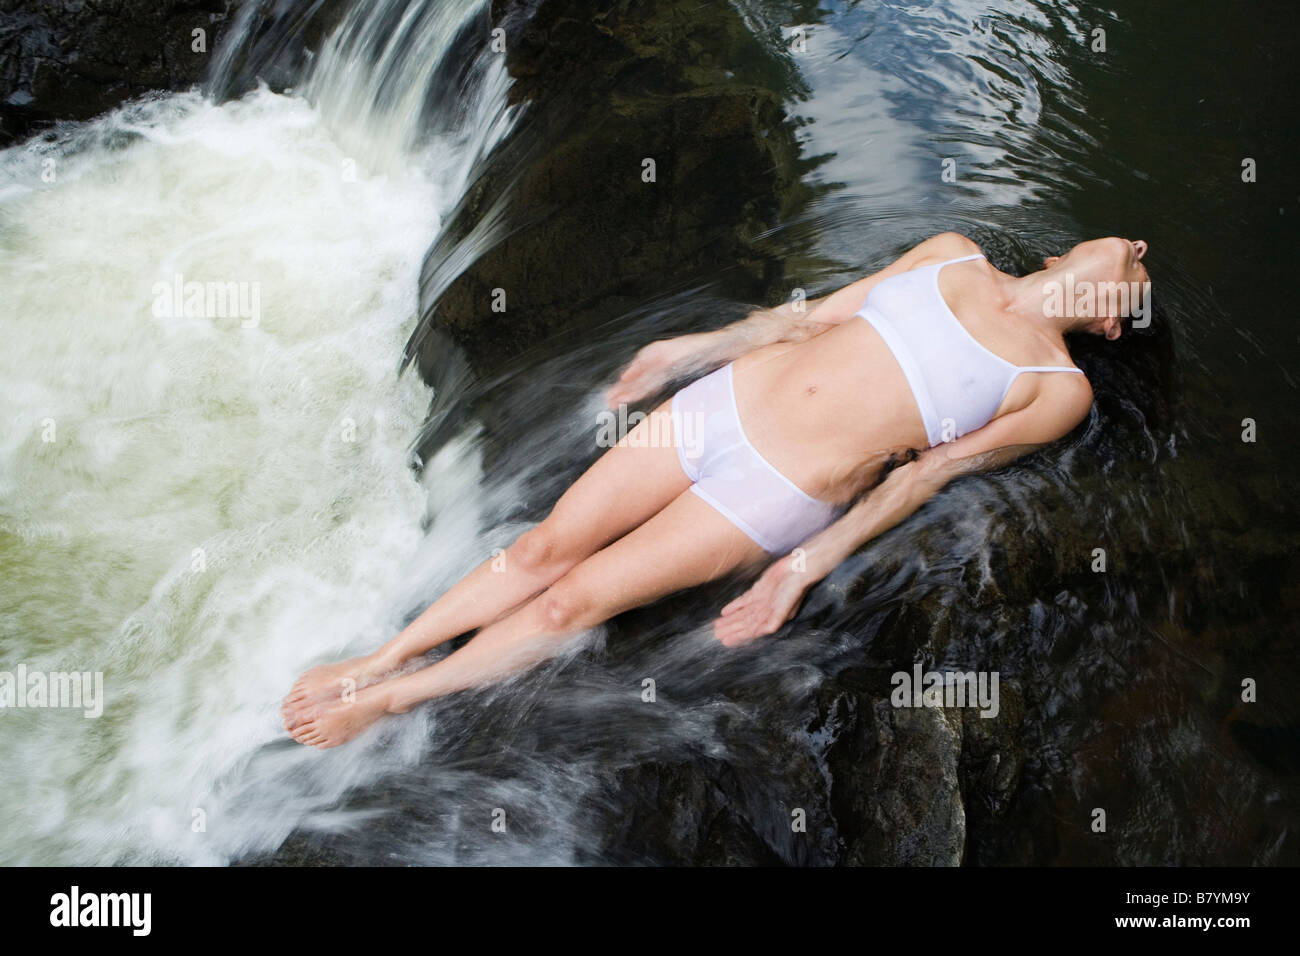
[{"x": 1147, "y": 303}]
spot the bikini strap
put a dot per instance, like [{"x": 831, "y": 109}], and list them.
[
  {"x": 976, "y": 255},
  {"x": 1048, "y": 368}
]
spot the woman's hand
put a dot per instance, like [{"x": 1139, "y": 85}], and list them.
[
  {"x": 654, "y": 366},
  {"x": 761, "y": 610}
]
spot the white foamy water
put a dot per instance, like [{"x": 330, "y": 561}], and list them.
[{"x": 199, "y": 504}]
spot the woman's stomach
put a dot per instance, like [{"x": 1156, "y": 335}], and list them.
[{"x": 829, "y": 412}]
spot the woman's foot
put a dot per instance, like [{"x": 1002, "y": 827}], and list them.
[
  {"x": 326, "y": 724},
  {"x": 328, "y": 683}
]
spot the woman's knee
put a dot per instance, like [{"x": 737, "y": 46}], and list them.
[
  {"x": 567, "y": 606},
  {"x": 541, "y": 548}
]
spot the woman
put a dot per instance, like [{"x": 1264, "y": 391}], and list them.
[{"x": 762, "y": 460}]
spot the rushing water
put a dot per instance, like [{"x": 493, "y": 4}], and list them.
[
  {"x": 200, "y": 502},
  {"x": 199, "y": 505}
]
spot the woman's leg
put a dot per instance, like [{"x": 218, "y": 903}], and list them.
[
  {"x": 686, "y": 544},
  {"x": 625, "y": 486}
]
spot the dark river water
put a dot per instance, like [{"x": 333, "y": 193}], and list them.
[{"x": 1154, "y": 691}]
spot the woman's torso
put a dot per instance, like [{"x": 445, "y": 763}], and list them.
[{"x": 829, "y": 412}]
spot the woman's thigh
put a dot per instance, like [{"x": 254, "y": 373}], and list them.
[
  {"x": 627, "y": 485},
  {"x": 685, "y": 544}
]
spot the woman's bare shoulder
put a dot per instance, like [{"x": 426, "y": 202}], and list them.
[
  {"x": 952, "y": 244},
  {"x": 945, "y": 245}
]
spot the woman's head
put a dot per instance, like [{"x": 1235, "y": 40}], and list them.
[{"x": 1100, "y": 283}]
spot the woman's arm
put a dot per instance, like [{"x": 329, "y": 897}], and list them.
[
  {"x": 666, "y": 359},
  {"x": 659, "y": 362},
  {"x": 776, "y": 595}
]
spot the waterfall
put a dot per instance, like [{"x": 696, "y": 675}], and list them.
[{"x": 205, "y": 466}]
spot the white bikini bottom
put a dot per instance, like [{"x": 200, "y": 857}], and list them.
[{"x": 733, "y": 477}]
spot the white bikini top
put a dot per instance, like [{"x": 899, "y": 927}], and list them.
[{"x": 955, "y": 380}]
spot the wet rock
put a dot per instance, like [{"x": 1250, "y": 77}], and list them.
[
  {"x": 75, "y": 59},
  {"x": 678, "y": 814},
  {"x": 611, "y": 86},
  {"x": 897, "y": 791},
  {"x": 868, "y": 784}
]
